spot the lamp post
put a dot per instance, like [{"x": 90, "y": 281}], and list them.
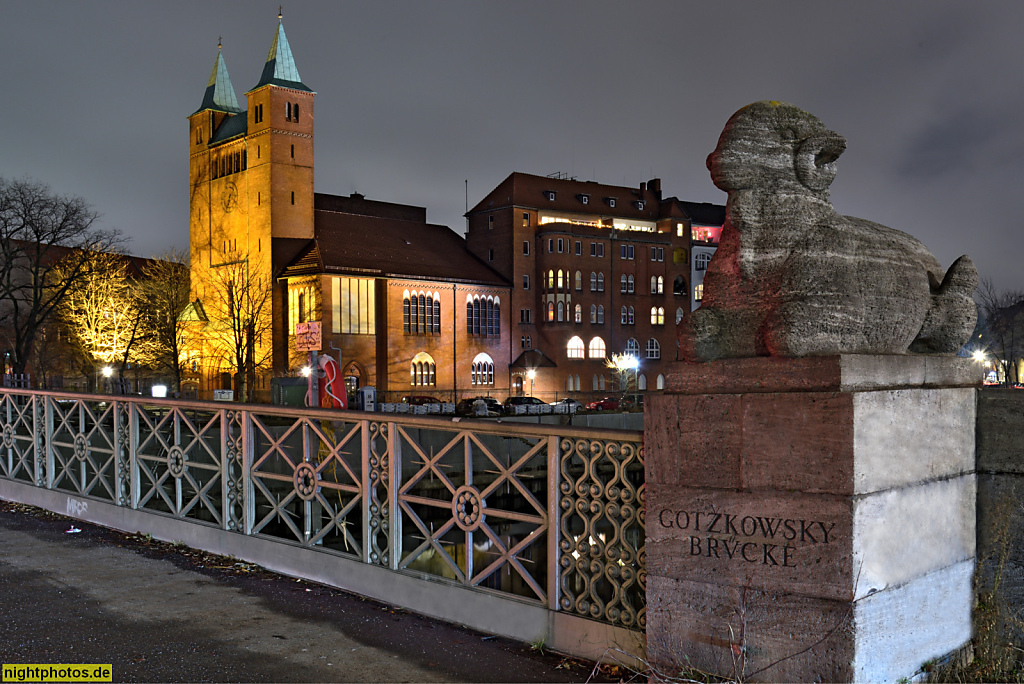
[{"x": 531, "y": 374}]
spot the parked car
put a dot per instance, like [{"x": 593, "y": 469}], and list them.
[
  {"x": 512, "y": 402},
  {"x": 420, "y": 400},
  {"x": 606, "y": 404},
  {"x": 572, "y": 404},
  {"x": 467, "y": 407},
  {"x": 632, "y": 401}
]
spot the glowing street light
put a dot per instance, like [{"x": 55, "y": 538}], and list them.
[
  {"x": 305, "y": 371},
  {"x": 107, "y": 371},
  {"x": 531, "y": 374},
  {"x": 979, "y": 356}
]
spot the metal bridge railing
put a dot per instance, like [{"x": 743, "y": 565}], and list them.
[{"x": 546, "y": 514}]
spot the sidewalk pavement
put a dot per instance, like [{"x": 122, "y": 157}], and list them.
[{"x": 164, "y": 613}]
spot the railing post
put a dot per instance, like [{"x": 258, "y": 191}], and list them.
[
  {"x": 245, "y": 459},
  {"x": 554, "y": 521},
  {"x": 47, "y": 444},
  {"x": 366, "y": 488},
  {"x": 133, "y": 457},
  {"x": 395, "y": 486},
  {"x": 117, "y": 441}
]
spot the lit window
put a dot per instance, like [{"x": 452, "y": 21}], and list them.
[
  {"x": 574, "y": 350},
  {"x": 526, "y": 219},
  {"x": 551, "y": 280},
  {"x": 698, "y": 292},
  {"x": 653, "y": 349},
  {"x": 680, "y": 230},
  {"x": 579, "y": 314},
  {"x": 597, "y": 349},
  {"x": 560, "y": 281},
  {"x": 579, "y": 281},
  {"x": 551, "y": 311},
  {"x": 482, "y": 370}
]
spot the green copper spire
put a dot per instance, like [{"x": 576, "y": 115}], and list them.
[
  {"x": 220, "y": 94},
  {"x": 280, "y": 66}
]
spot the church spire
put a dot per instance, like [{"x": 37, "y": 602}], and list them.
[
  {"x": 279, "y": 68},
  {"x": 220, "y": 94}
]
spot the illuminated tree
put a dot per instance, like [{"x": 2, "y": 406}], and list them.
[
  {"x": 45, "y": 245},
  {"x": 1002, "y": 329}
]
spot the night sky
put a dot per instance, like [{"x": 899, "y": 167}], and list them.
[{"x": 415, "y": 97}]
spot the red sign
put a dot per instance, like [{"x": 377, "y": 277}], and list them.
[{"x": 307, "y": 336}]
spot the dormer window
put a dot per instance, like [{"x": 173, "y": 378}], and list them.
[
  {"x": 639, "y": 204},
  {"x": 584, "y": 199},
  {"x": 550, "y": 194},
  {"x": 610, "y": 201}
]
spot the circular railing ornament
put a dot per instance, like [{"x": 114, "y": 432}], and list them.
[
  {"x": 81, "y": 447},
  {"x": 8, "y": 436},
  {"x": 305, "y": 481},
  {"x": 176, "y": 461},
  {"x": 467, "y": 508}
]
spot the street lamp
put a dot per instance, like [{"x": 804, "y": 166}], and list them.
[{"x": 531, "y": 374}]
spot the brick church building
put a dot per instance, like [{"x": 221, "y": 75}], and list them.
[{"x": 553, "y": 276}]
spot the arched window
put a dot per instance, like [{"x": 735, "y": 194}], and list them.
[
  {"x": 579, "y": 281},
  {"x": 654, "y": 285},
  {"x": 490, "y": 316},
  {"x": 597, "y": 349},
  {"x": 679, "y": 286},
  {"x": 423, "y": 372},
  {"x": 600, "y": 314},
  {"x": 632, "y": 348},
  {"x": 593, "y": 282},
  {"x": 476, "y": 315},
  {"x": 679, "y": 315},
  {"x": 437, "y": 314},
  {"x": 568, "y": 384},
  {"x": 421, "y": 320},
  {"x": 657, "y": 315},
  {"x": 593, "y": 313},
  {"x": 574, "y": 350},
  {"x": 497, "y": 316},
  {"x": 595, "y": 382},
  {"x": 661, "y": 315},
  {"x": 630, "y": 317},
  {"x": 579, "y": 314},
  {"x": 482, "y": 370},
  {"x": 561, "y": 312},
  {"x": 622, "y": 283},
  {"x": 561, "y": 283},
  {"x": 551, "y": 311},
  {"x": 429, "y": 311},
  {"x": 641, "y": 382},
  {"x": 661, "y": 285},
  {"x": 630, "y": 284},
  {"x": 551, "y": 280},
  {"x": 700, "y": 262},
  {"x": 622, "y": 316},
  {"x": 661, "y": 382},
  {"x": 469, "y": 315},
  {"x": 600, "y": 282},
  {"x": 405, "y": 311},
  {"x": 578, "y": 385},
  {"x": 601, "y": 382},
  {"x": 653, "y": 349}
]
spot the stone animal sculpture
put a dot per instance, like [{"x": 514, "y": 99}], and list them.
[{"x": 792, "y": 277}]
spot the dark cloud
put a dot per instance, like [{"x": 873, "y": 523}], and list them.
[{"x": 414, "y": 98}]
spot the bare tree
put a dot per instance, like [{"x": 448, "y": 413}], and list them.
[
  {"x": 45, "y": 243},
  {"x": 165, "y": 290},
  {"x": 1002, "y": 330},
  {"x": 241, "y": 317}
]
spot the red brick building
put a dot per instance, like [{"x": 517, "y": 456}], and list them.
[{"x": 596, "y": 270}]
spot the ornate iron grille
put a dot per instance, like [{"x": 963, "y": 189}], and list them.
[{"x": 546, "y": 514}]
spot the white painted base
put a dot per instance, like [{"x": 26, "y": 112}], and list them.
[{"x": 901, "y": 628}]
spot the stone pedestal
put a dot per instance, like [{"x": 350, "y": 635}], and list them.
[{"x": 810, "y": 519}]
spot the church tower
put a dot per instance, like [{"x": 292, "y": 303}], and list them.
[{"x": 250, "y": 184}]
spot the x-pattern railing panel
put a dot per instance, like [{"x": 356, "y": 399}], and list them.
[
  {"x": 463, "y": 525},
  {"x": 307, "y": 482},
  {"x": 548, "y": 514},
  {"x": 178, "y": 461},
  {"x": 82, "y": 448},
  {"x": 19, "y": 435}
]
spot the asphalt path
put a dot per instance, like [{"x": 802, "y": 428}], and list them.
[{"x": 159, "y": 612}]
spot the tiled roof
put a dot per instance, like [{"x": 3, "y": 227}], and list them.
[
  {"x": 356, "y": 244},
  {"x": 231, "y": 127},
  {"x": 526, "y": 190},
  {"x": 280, "y": 68},
  {"x": 220, "y": 94}
]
